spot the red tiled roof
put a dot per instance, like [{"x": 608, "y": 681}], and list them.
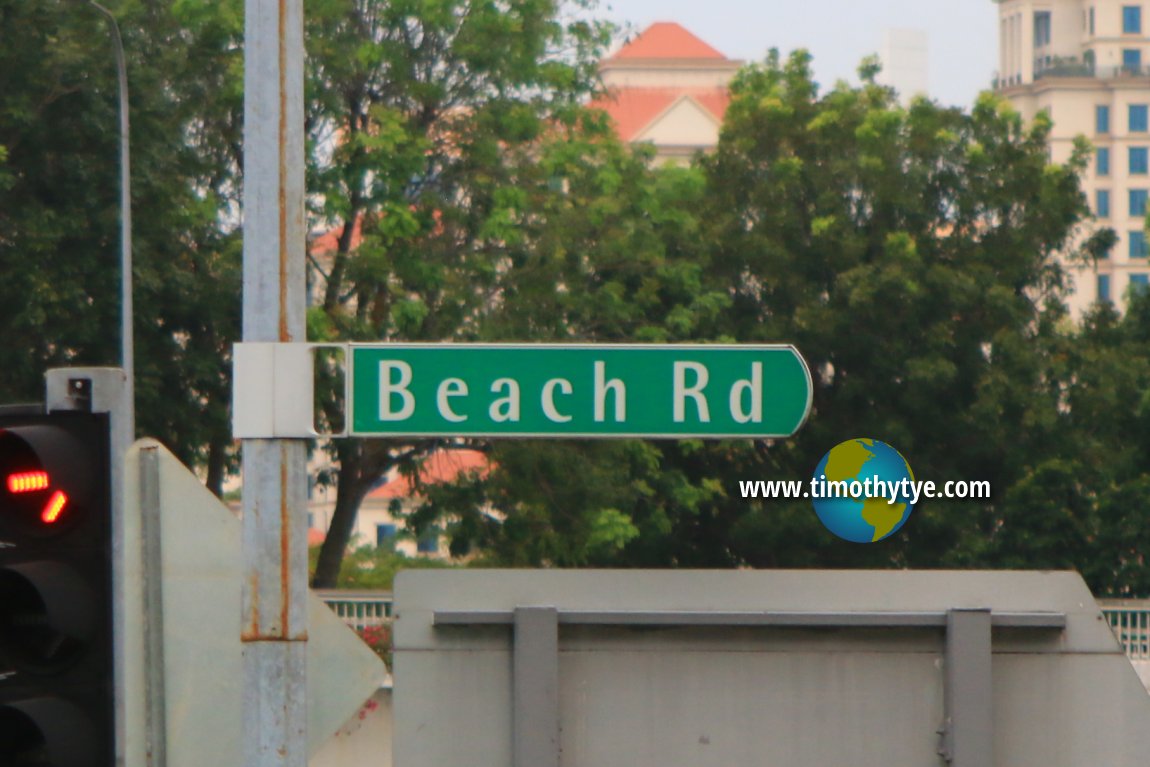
[
  {"x": 440, "y": 466},
  {"x": 328, "y": 242},
  {"x": 667, "y": 40},
  {"x": 315, "y": 537},
  {"x": 633, "y": 109},
  {"x": 714, "y": 101}
]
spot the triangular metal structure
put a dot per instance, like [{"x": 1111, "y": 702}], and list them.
[{"x": 199, "y": 620}]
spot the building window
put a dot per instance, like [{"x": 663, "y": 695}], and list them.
[
  {"x": 1041, "y": 28},
  {"x": 1137, "y": 202},
  {"x": 1139, "y": 160},
  {"x": 385, "y": 536},
  {"x": 1102, "y": 161},
  {"x": 428, "y": 543},
  {"x": 1091, "y": 19},
  {"x": 1137, "y": 118},
  {"x": 1132, "y": 19},
  {"x": 1101, "y": 119},
  {"x": 1104, "y": 287},
  {"x": 1102, "y": 203},
  {"x": 1137, "y": 241},
  {"x": 1139, "y": 283},
  {"x": 1132, "y": 60}
]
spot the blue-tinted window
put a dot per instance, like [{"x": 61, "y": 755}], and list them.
[
  {"x": 1137, "y": 241},
  {"x": 1132, "y": 19},
  {"x": 1132, "y": 59},
  {"x": 1137, "y": 202},
  {"x": 1102, "y": 162},
  {"x": 1139, "y": 283},
  {"x": 1138, "y": 118},
  {"x": 1104, "y": 287},
  {"x": 1102, "y": 203},
  {"x": 1041, "y": 28},
  {"x": 427, "y": 544},
  {"x": 1139, "y": 159},
  {"x": 1101, "y": 119},
  {"x": 385, "y": 536}
]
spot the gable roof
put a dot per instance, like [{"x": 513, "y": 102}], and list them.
[
  {"x": 667, "y": 40},
  {"x": 680, "y": 123},
  {"x": 634, "y": 109}
]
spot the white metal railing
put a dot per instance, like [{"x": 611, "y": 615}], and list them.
[
  {"x": 1129, "y": 619},
  {"x": 359, "y": 609}
]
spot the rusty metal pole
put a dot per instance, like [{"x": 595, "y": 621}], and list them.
[{"x": 275, "y": 481}]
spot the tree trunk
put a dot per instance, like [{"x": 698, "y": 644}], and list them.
[
  {"x": 350, "y": 491},
  {"x": 361, "y": 463},
  {"x": 217, "y": 461}
]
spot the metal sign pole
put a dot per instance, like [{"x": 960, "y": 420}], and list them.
[{"x": 274, "y": 627}]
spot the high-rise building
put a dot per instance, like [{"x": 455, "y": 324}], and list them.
[
  {"x": 904, "y": 59},
  {"x": 1085, "y": 63}
]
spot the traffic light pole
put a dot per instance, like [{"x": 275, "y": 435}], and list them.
[
  {"x": 108, "y": 390},
  {"x": 274, "y": 601}
]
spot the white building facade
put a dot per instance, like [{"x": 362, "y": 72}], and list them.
[{"x": 1087, "y": 64}]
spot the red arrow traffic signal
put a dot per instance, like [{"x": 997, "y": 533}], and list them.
[{"x": 56, "y": 600}]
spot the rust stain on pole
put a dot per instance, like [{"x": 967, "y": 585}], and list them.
[
  {"x": 253, "y": 632},
  {"x": 285, "y": 550}
]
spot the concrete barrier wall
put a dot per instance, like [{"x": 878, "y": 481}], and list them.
[{"x": 689, "y": 694}]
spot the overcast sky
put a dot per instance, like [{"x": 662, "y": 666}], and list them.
[{"x": 961, "y": 34}]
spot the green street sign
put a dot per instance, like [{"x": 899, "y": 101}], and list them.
[{"x": 577, "y": 390}]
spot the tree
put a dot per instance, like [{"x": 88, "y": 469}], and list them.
[
  {"x": 616, "y": 258},
  {"x": 909, "y": 254},
  {"x": 1083, "y": 505},
  {"x": 426, "y": 118},
  {"x": 59, "y": 206}
]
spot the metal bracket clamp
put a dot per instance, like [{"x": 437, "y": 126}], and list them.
[
  {"x": 967, "y": 732},
  {"x": 273, "y": 390},
  {"x": 536, "y": 687}
]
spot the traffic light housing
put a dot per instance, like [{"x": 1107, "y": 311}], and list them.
[{"x": 57, "y": 705}]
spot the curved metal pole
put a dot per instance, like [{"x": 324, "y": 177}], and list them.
[
  {"x": 127, "y": 434},
  {"x": 127, "y": 353}
]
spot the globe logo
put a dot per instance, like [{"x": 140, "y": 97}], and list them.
[{"x": 862, "y": 490}]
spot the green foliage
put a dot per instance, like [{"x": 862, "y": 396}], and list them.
[
  {"x": 908, "y": 253},
  {"x": 442, "y": 110},
  {"x": 368, "y": 567},
  {"x": 59, "y": 206}
]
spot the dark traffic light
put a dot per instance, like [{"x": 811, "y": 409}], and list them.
[{"x": 56, "y": 652}]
